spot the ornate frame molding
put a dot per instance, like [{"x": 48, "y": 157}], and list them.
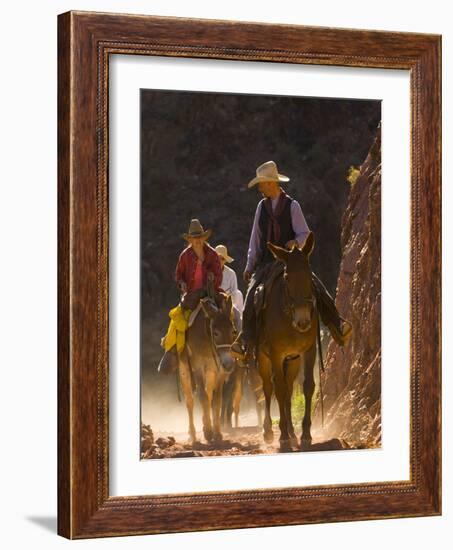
[{"x": 85, "y": 41}]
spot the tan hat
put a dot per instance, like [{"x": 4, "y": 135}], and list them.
[
  {"x": 222, "y": 250},
  {"x": 196, "y": 230},
  {"x": 267, "y": 172}
]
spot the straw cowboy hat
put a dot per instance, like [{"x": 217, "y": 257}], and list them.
[
  {"x": 222, "y": 250},
  {"x": 196, "y": 230},
  {"x": 267, "y": 172}
]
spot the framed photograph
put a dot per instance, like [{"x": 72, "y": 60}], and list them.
[{"x": 249, "y": 274}]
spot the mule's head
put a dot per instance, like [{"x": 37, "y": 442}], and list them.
[
  {"x": 222, "y": 329},
  {"x": 298, "y": 281}
]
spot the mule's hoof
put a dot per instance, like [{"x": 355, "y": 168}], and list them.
[
  {"x": 305, "y": 444},
  {"x": 208, "y": 435},
  {"x": 217, "y": 436},
  {"x": 285, "y": 446},
  {"x": 268, "y": 437}
]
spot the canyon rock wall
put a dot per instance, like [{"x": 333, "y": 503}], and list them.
[{"x": 352, "y": 377}]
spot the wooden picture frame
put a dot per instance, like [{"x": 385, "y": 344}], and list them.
[{"x": 85, "y": 42}]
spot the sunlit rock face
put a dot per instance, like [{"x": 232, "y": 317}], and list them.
[{"x": 352, "y": 378}]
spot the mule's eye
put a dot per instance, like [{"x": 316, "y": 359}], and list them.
[{"x": 216, "y": 334}]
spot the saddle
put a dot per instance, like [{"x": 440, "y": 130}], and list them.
[
  {"x": 194, "y": 313},
  {"x": 263, "y": 289}
]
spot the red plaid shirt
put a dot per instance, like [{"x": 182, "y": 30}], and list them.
[{"x": 187, "y": 262}]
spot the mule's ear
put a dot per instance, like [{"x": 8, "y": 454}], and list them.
[
  {"x": 227, "y": 303},
  {"x": 309, "y": 244},
  {"x": 278, "y": 252}
]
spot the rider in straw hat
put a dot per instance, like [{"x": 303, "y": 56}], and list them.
[
  {"x": 197, "y": 260},
  {"x": 230, "y": 282},
  {"x": 278, "y": 219},
  {"x": 198, "y": 270}
]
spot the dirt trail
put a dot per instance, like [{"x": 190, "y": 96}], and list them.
[{"x": 236, "y": 441}]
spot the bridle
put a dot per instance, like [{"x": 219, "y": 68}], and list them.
[{"x": 289, "y": 308}]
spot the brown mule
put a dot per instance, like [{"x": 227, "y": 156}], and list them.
[
  {"x": 206, "y": 363},
  {"x": 287, "y": 339}
]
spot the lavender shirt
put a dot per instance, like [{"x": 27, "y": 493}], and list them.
[{"x": 298, "y": 222}]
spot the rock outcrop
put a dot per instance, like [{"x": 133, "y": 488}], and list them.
[{"x": 352, "y": 377}]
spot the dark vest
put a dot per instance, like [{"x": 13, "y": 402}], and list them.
[{"x": 286, "y": 229}]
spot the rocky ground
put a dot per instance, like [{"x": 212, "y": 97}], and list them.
[{"x": 237, "y": 441}]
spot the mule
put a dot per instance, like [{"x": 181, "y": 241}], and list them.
[
  {"x": 205, "y": 364},
  {"x": 233, "y": 394},
  {"x": 286, "y": 340},
  {"x": 233, "y": 390}
]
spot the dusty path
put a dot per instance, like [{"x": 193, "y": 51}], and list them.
[{"x": 236, "y": 441}]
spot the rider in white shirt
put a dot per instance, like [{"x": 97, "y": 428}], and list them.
[{"x": 230, "y": 283}]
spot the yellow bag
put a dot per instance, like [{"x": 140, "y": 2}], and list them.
[{"x": 176, "y": 333}]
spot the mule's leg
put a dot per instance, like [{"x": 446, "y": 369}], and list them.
[
  {"x": 237, "y": 393},
  {"x": 217, "y": 407},
  {"x": 210, "y": 385},
  {"x": 256, "y": 385},
  {"x": 265, "y": 370},
  {"x": 281, "y": 392},
  {"x": 309, "y": 388},
  {"x": 292, "y": 367},
  {"x": 259, "y": 411},
  {"x": 205, "y": 403},
  {"x": 227, "y": 407},
  {"x": 188, "y": 390}
]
